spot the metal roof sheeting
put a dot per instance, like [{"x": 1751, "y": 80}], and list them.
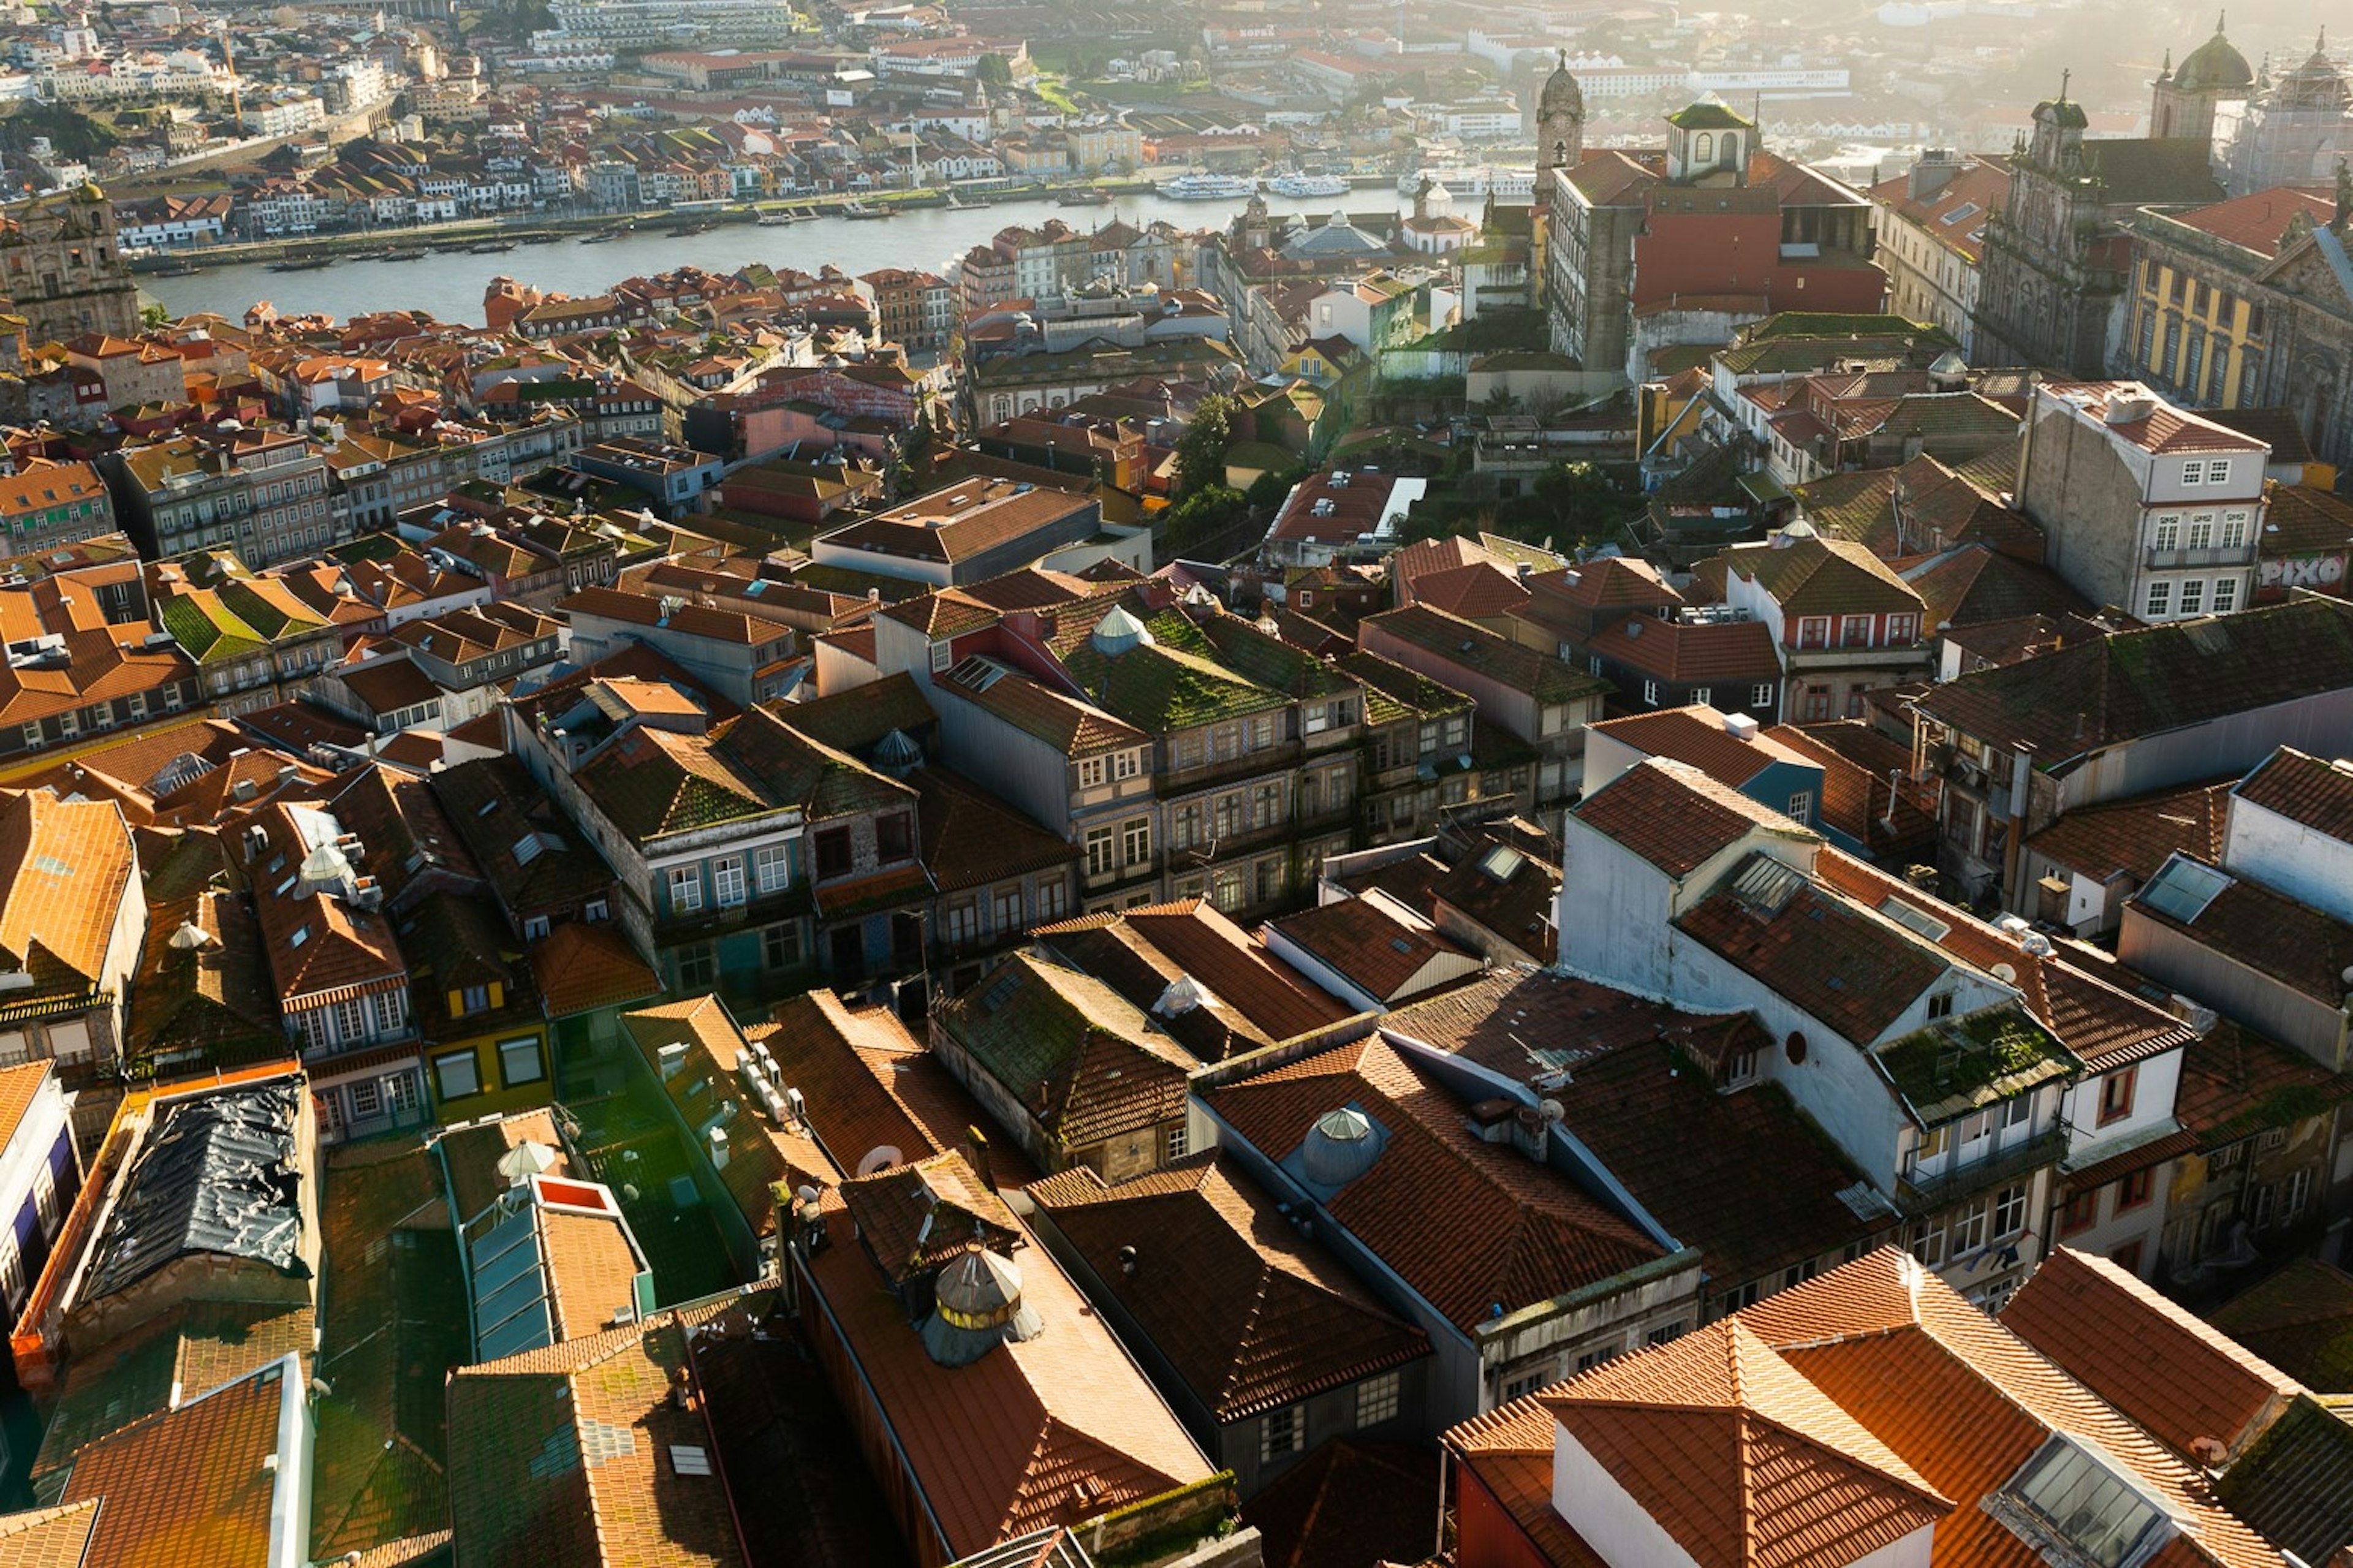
[{"x": 221, "y": 1173}]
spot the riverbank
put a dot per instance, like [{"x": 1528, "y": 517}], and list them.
[{"x": 453, "y": 237}]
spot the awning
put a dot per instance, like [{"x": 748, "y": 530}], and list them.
[
  {"x": 1762, "y": 487},
  {"x": 2139, "y": 1157}
]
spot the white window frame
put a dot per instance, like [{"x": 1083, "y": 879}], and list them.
[
  {"x": 1282, "y": 1431},
  {"x": 686, "y": 889},
  {"x": 1379, "y": 1399},
  {"x": 2226, "y": 596},
  {"x": 2160, "y": 598},
  {"x": 772, "y": 867},
  {"x": 727, "y": 883}
]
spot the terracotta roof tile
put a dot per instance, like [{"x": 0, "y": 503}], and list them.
[
  {"x": 1855, "y": 972},
  {"x": 1857, "y": 761},
  {"x": 1347, "y": 1502},
  {"x": 1620, "y": 1067},
  {"x": 1738, "y": 1457},
  {"x": 1517, "y": 1232},
  {"x": 1965, "y": 1402},
  {"x": 1676, "y": 817},
  {"x": 55, "y": 1537},
  {"x": 1696, "y": 735},
  {"x": 2301, "y": 947},
  {"x": 1036, "y": 1433},
  {"x": 2256, "y": 221},
  {"x": 1509, "y": 1450},
  {"x": 2133, "y": 837},
  {"x": 2179, "y": 1379},
  {"x": 190, "y": 1487},
  {"x": 581, "y": 968},
  {"x": 1250, "y": 1315},
  {"x": 1690, "y": 652},
  {"x": 66, "y": 866},
  {"x": 2305, "y": 789},
  {"x": 1365, "y": 941}
]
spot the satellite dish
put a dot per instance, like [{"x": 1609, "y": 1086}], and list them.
[
  {"x": 2005, "y": 973},
  {"x": 1552, "y": 1111},
  {"x": 881, "y": 1157}
]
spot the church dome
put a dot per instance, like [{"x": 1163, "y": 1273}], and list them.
[
  {"x": 1561, "y": 93},
  {"x": 2214, "y": 65}
]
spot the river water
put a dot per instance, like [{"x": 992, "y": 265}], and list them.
[{"x": 450, "y": 286}]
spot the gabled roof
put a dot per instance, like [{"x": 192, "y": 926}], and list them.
[
  {"x": 1696, "y": 735},
  {"x": 1249, "y": 1314},
  {"x": 2305, "y": 789},
  {"x": 1365, "y": 943},
  {"x": 2129, "y": 685},
  {"x": 1517, "y": 1232},
  {"x": 1739, "y": 1459},
  {"x": 65, "y": 867},
  {"x": 2181, "y": 1379},
  {"x": 1077, "y": 1055},
  {"x": 2299, "y": 1319},
  {"x": 1824, "y": 577},
  {"x": 570, "y": 1455},
  {"x": 1677, "y": 818},
  {"x": 2133, "y": 837},
  {"x": 1967, "y": 1403},
  {"x": 1457, "y": 642},
  {"x": 1238, "y": 999},
  {"x": 194, "y": 1486}
]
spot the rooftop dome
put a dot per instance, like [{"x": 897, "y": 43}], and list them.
[
  {"x": 1561, "y": 93},
  {"x": 1118, "y": 632},
  {"x": 2214, "y": 65},
  {"x": 1339, "y": 1148},
  {"x": 976, "y": 1306},
  {"x": 897, "y": 751}
]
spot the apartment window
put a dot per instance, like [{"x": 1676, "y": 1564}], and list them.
[
  {"x": 2017, "y": 1113},
  {"x": 2296, "y": 1193},
  {"x": 1968, "y": 1230},
  {"x": 1935, "y": 1140},
  {"x": 534, "y": 927},
  {"x": 697, "y": 966},
  {"x": 2160, "y": 600},
  {"x": 894, "y": 837},
  {"x": 1901, "y": 630},
  {"x": 2009, "y": 1211},
  {"x": 455, "y": 1076},
  {"x": 1650, "y": 692},
  {"x": 2202, "y": 531},
  {"x": 2226, "y": 595},
  {"x": 1761, "y": 695},
  {"x": 2218, "y": 472},
  {"x": 12, "y": 1270},
  {"x": 2193, "y": 362},
  {"x": 727, "y": 881},
  {"x": 1091, "y": 772},
  {"x": 1281, "y": 1431},
  {"x": 1975, "y": 1127},
  {"x": 1814, "y": 631},
  {"x": 2193, "y": 472},
  {"x": 351, "y": 1019},
  {"x": 1007, "y": 914},
  {"x": 1941, "y": 1006},
  {"x": 391, "y": 1010},
  {"x": 780, "y": 946},
  {"x": 1856, "y": 632},
  {"x": 685, "y": 889},
  {"x": 1261, "y": 731},
  {"x": 1703, "y": 696},
  {"x": 1053, "y": 901},
  {"x": 45, "y": 1199},
  {"x": 1270, "y": 881},
  {"x": 520, "y": 1062},
  {"x": 596, "y": 910},
  {"x": 771, "y": 867},
  {"x": 1180, "y": 1141},
  {"x": 1522, "y": 1386},
  {"x": 1135, "y": 840},
  {"x": 1099, "y": 860},
  {"x": 2148, "y": 339},
  {"x": 473, "y": 999},
  {"x": 1126, "y": 764},
  {"x": 2082, "y": 1212},
  {"x": 1801, "y": 807},
  {"x": 1227, "y": 891},
  {"x": 2222, "y": 1159},
  {"x": 2116, "y": 1095},
  {"x": 2234, "y": 529},
  {"x": 2168, "y": 534},
  {"x": 1378, "y": 1399},
  {"x": 942, "y": 657},
  {"x": 2135, "y": 1190},
  {"x": 833, "y": 852},
  {"x": 1928, "y": 1241},
  {"x": 2193, "y": 595}
]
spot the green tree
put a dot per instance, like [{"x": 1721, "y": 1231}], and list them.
[
  {"x": 994, "y": 70},
  {"x": 1201, "y": 449},
  {"x": 152, "y": 316},
  {"x": 1201, "y": 514},
  {"x": 1581, "y": 498}
]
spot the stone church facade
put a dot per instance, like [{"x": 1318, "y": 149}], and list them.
[{"x": 62, "y": 271}]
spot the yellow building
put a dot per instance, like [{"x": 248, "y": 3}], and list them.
[{"x": 485, "y": 1037}]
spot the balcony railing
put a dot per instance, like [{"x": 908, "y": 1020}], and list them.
[
  {"x": 1927, "y": 1194},
  {"x": 2218, "y": 555}
]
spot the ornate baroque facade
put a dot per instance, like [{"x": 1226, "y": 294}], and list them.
[{"x": 61, "y": 270}]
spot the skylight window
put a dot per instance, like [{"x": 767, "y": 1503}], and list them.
[
  {"x": 2074, "y": 1495},
  {"x": 1912, "y": 918},
  {"x": 1966, "y": 210},
  {"x": 2182, "y": 890}
]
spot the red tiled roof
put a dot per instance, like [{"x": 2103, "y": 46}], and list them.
[
  {"x": 2178, "y": 1378},
  {"x": 2133, "y": 837},
  {"x": 1738, "y": 1457},
  {"x": 190, "y": 1487},
  {"x": 1364, "y": 942},
  {"x": 1737, "y": 653},
  {"x": 1966, "y": 1403},
  {"x": 2166, "y": 430},
  {"x": 1675, "y": 817},
  {"x": 1250, "y": 1315},
  {"x": 2305, "y": 789},
  {"x": 1516, "y": 1232},
  {"x": 2256, "y": 221},
  {"x": 1696, "y": 736}
]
